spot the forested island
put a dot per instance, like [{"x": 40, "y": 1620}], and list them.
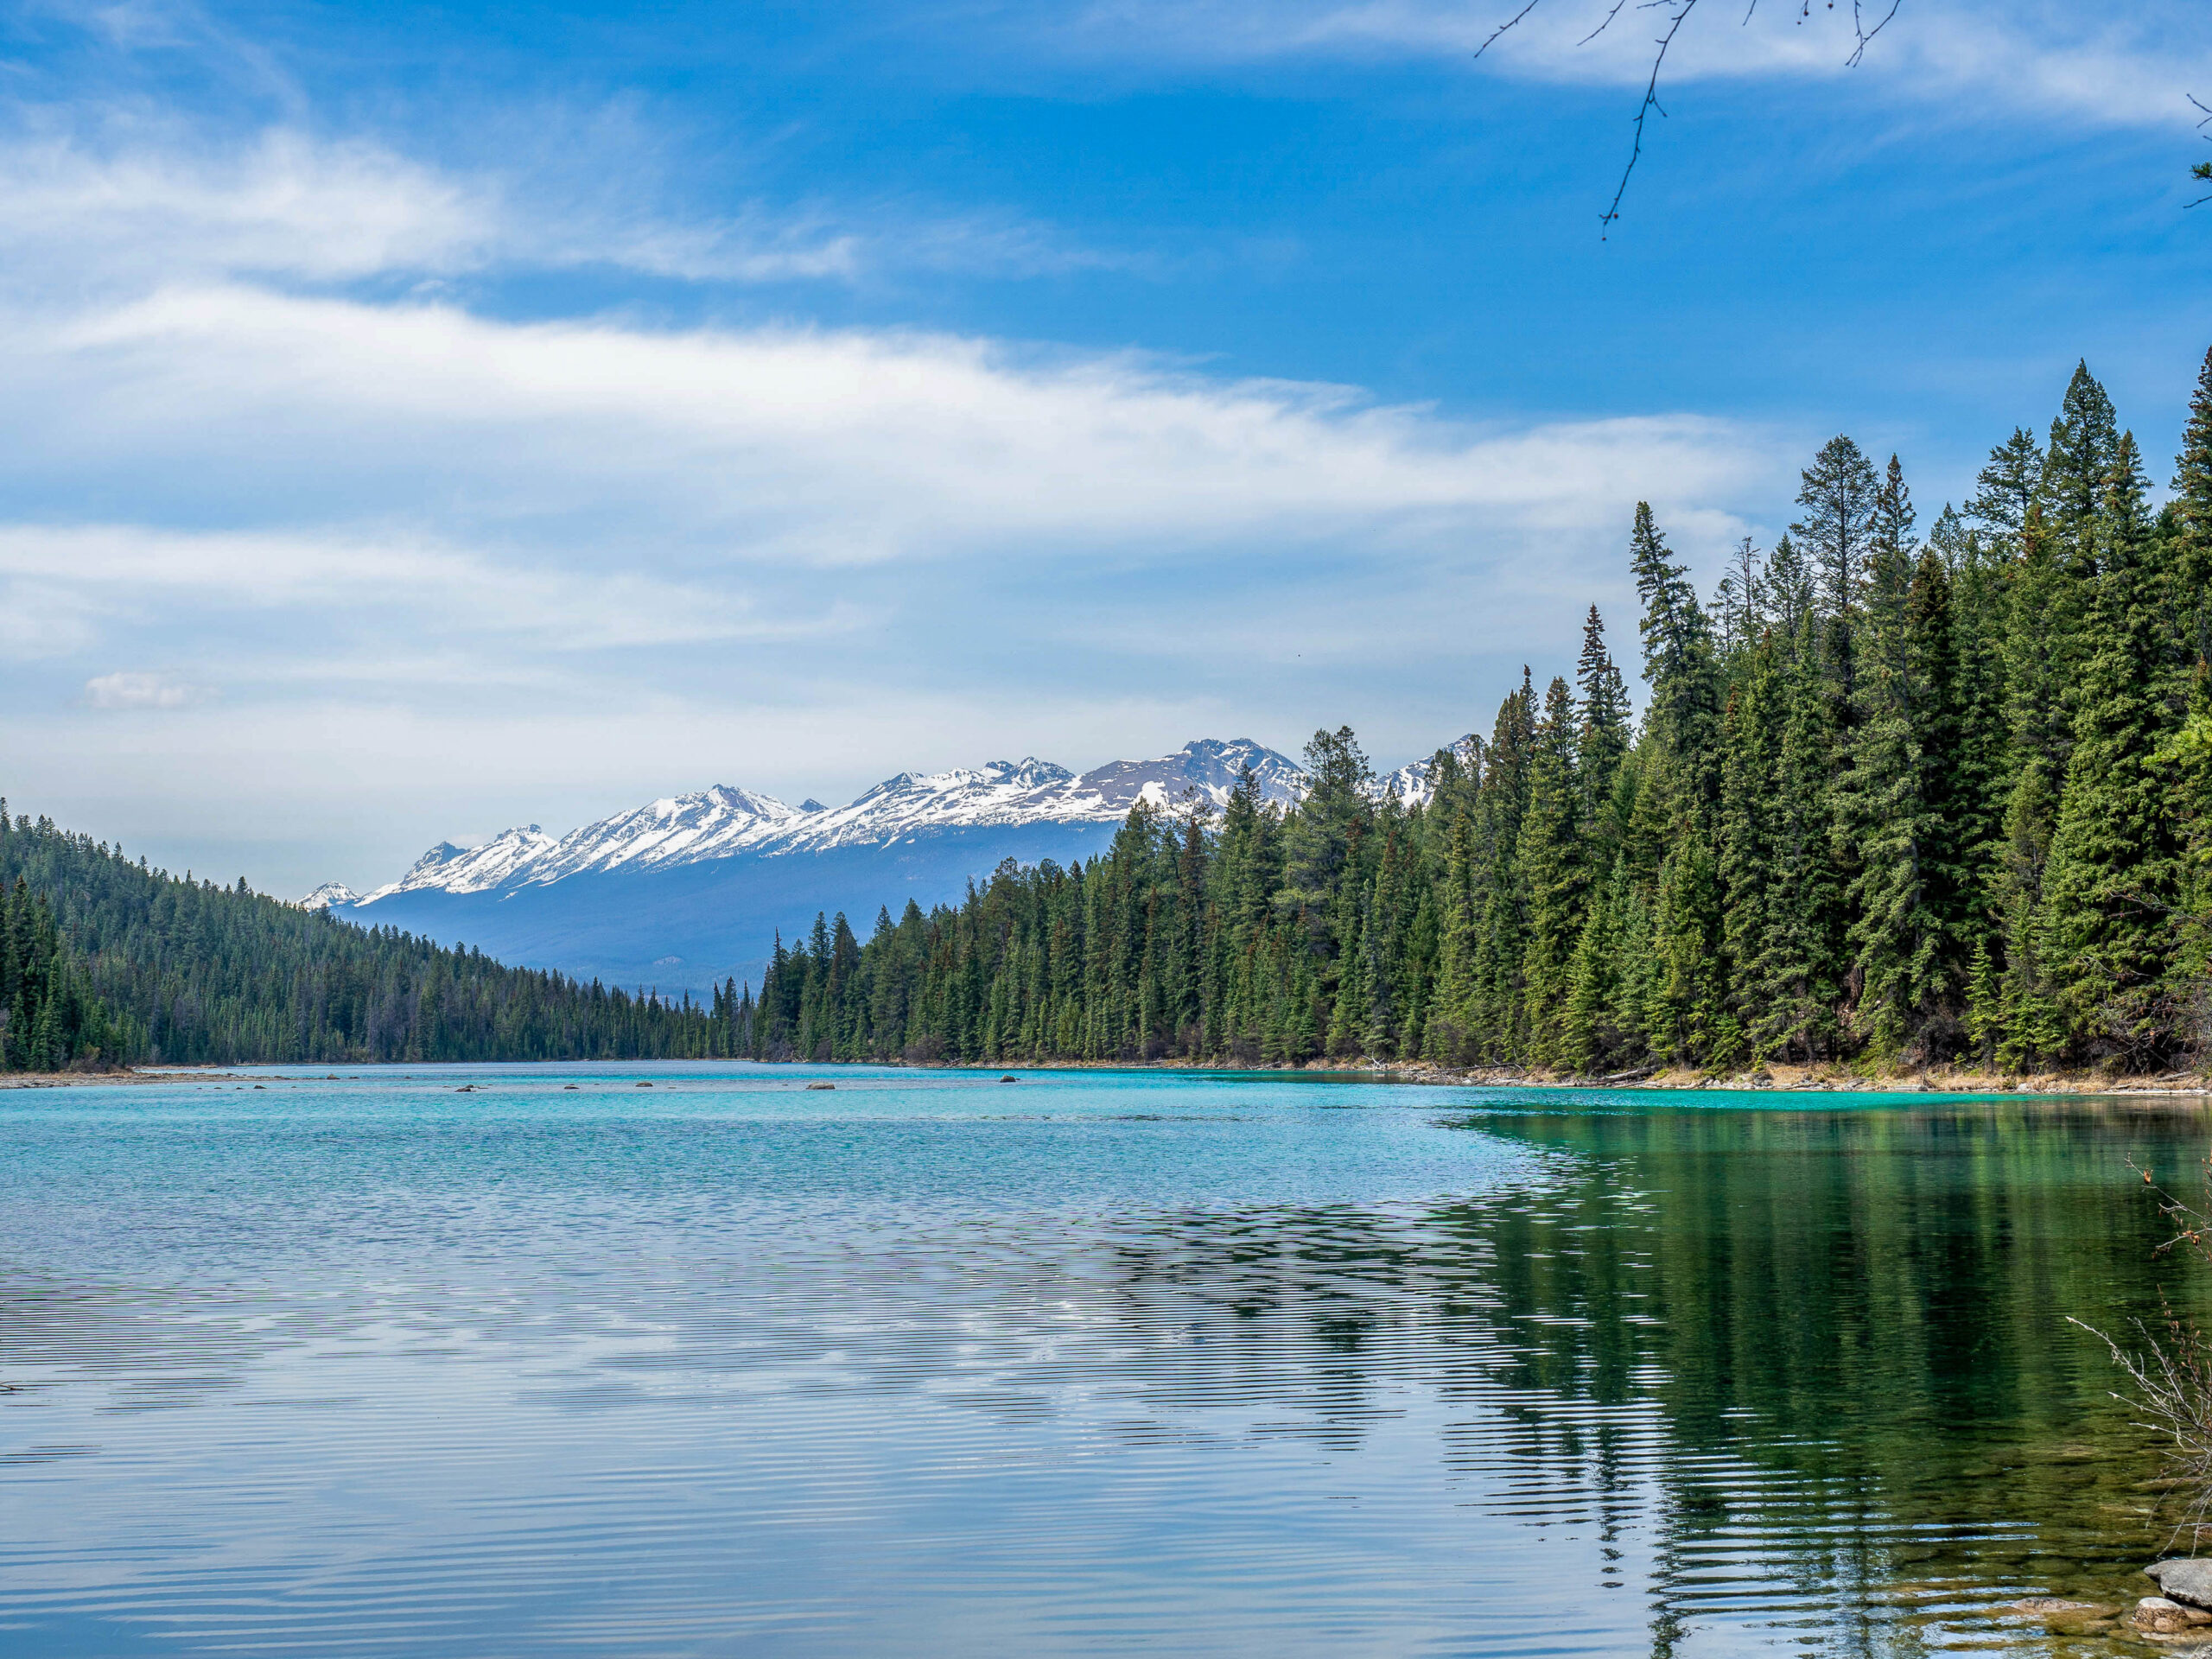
[{"x": 1893, "y": 802}]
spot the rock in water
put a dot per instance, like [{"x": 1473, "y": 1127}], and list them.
[
  {"x": 2060, "y": 1608},
  {"x": 2184, "y": 1579},
  {"x": 822, "y": 1085},
  {"x": 2156, "y": 1616}
]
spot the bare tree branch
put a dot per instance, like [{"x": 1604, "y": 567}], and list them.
[
  {"x": 1678, "y": 13},
  {"x": 1864, "y": 34},
  {"x": 2202, "y": 169},
  {"x": 1615, "y": 12},
  {"x": 1507, "y": 24},
  {"x": 1642, "y": 113}
]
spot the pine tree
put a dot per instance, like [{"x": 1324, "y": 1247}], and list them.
[
  {"x": 2084, "y": 449},
  {"x": 2113, "y": 877},
  {"x": 1897, "y": 793},
  {"x": 1753, "y": 726},
  {"x": 2007, "y": 486},
  {"x": 1796, "y": 984},
  {"x": 1603, "y": 738},
  {"x": 1551, "y": 862}
]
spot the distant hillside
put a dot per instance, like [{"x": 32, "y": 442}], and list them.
[{"x": 185, "y": 971}]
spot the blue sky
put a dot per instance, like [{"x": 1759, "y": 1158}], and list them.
[{"x": 417, "y": 420}]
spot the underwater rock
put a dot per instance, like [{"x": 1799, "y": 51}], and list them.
[{"x": 2057, "y": 1607}]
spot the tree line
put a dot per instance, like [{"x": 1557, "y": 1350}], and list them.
[
  {"x": 103, "y": 960},
  {"x": 1889, "y": 799}
]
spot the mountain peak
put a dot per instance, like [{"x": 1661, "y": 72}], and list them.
[
  {"x": 1415, "y": 783},
  {"x": 725, "y": 821}
]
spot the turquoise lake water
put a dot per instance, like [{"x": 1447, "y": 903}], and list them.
[{"x": 1099, "y": 1362}]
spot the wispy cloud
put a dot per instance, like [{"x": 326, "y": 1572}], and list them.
[
  {"x": 115, "y": 198},
  {"x": 2125, "y": 66},
  {"x": 349, "y": 580},
  {"x": 432, "y": 552},
  {"x": 830, "y": 447},
  {"x": 133, "y": 689}
]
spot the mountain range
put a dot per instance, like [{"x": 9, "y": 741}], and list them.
[{"x": 691, "y": 889}]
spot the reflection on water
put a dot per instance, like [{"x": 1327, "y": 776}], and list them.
[{"x": 1183, "y": 1364}]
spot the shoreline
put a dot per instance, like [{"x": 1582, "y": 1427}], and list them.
[{"x": 1826, "y": 1078}]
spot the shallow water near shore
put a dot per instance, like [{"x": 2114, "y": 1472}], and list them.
[{"x": 1103, "y": 1361}]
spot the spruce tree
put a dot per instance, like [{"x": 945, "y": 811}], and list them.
[
  {"x": 2113, "y": 878},
  {"x": 2007, "y": 486},
  {"x": 1551, "y": 862},
  {"x": 1894, "y": 799},
  {"x": 1604, "y": 731}
]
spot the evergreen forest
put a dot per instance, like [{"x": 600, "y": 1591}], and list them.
[
  {"x": 1891, "y": 800},
  {"x": 104, "y": 961}
]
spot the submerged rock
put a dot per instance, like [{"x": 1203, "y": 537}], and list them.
[
  {"x": 2184, "y": 1578},
  {"x": 2058, "y": 1607}
]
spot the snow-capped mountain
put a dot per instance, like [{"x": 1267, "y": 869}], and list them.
[
  {"x": 723, "y": 822},
  {"x": 329, "y": 894},
  {"x": 1415, "y": 783},
  {"x": 448, "y": 869},
  {"x": 1037, "y": 791},
  {"x": 689, "y": 889},
  {"x": 714, "y": 823}
]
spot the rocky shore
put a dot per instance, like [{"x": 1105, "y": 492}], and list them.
[{"x": 2182, "y": 1611}]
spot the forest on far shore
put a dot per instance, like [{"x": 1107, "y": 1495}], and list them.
[{"x": 1894, "y": 800}]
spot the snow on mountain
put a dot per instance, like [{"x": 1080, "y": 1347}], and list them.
[
  {"x": 1415, "y": 783},
  {"x": 675, "y": 830},
  {"x": 1004, "y": 791},
  {"x": 1007, "y": 792},
  {"x": 723, "y": 822},
  {"x": 448, "y": 869},
  {"x": 690, "y": 890},
  {"x": 1209, "y": 768},
  {"x": 329, "y": 894}
]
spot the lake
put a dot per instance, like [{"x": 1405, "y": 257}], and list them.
[{"x": 530, "y": 1360}]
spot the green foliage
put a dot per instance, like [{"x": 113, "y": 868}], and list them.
[
  {"x": 1907, "y": 802},
  {"x": 49, "y": 1018},
  {"x": 108, "y": 960},
  {"x": 1904, "y": 803}
]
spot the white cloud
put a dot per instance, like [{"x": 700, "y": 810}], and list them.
[
  {"x": 2132, "y": 66},
  {"x": 119, "y": 199},
  {"x": 144, "y": 203},
  {"x": 351, "y": 577},
  {"x": 128, "y": 688},
  {"x": 826, "y": 446},
  {"x": 533, "y": 569}
]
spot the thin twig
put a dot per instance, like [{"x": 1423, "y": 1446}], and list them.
[
  {"x": 1861, "y": 35},
  {"x": 1507, "y": 24},
  {"x": 1864, "y": 34},
  {"x": 1608, "y": 22},
  {"x": 2201, "y": 126},
  {"x": 1642, "y": 114}
]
